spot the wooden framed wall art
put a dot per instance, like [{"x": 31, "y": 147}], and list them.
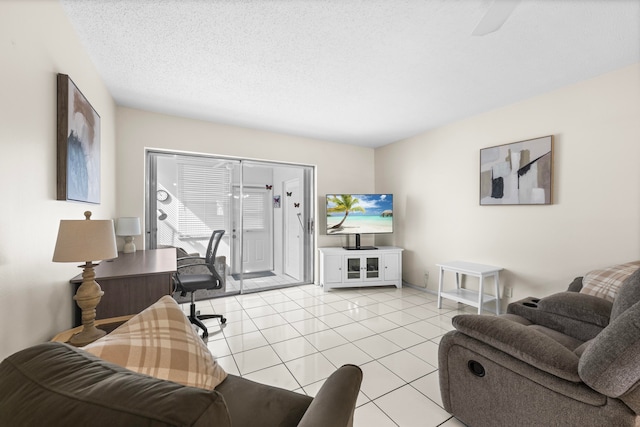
[
  {"x": 520, "y": 173},
  {"x": 78, "y": 141}
]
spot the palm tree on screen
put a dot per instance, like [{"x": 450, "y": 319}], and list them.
[{"x": 344, "y": 203}]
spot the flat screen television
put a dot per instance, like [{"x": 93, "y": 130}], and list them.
[{"x": 359, "y": 214}]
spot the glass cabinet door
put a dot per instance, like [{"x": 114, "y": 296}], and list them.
[
  {"x": 373, "y": 268},
  {"x": 353, "y": 269}
]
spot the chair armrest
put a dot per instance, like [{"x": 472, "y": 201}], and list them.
[
  {"x": 336, "y": 400},
  {"x": 521, "y": 342},
  {"x": 191, "y": 265},
  {"x": 582, "y": 307},
  {"x": 184, "y": 258}
]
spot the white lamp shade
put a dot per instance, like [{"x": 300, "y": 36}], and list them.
[
  {"x": 85, "y": 240},
  {"x": 128, "y": 226}
]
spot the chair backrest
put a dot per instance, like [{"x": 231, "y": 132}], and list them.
[{"x": 212, "y": 248}]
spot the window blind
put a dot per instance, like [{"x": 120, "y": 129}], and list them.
[{"x": 204, "y": 198}]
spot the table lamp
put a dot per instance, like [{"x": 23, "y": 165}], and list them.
[
  {"x": 88, "y": 241},
  {"x": 127, "y": 227}
]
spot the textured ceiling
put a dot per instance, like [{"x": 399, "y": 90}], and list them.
[{"x": 353, "y": 71}]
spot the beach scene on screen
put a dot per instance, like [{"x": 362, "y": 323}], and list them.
[{"x": 359, "y": 213}]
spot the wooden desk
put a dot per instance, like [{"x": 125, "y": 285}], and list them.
[{"x": 131, "y": 282}]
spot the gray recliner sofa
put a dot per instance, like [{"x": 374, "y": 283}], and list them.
[
  {"x": 54, "y": 384},
  {"x": 569, "y": 359}
]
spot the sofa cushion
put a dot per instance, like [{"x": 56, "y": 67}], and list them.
[
  {"x": 161, "y": 342},
  {"x": 605, "y": 283},
  {"x": 53, "y": 384}
]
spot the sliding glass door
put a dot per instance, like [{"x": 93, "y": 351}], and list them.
[{"x": 266, "y": 209}]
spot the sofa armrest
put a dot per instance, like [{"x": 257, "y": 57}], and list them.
[
  {"x": 574, "y": 314},
  {"x": 577, "y": 306},
  {"x": 521, "y": 342},
  {"x": 336, "y": 401}
]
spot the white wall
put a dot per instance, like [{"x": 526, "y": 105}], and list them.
[
  {"x": 594, "y": 221},
  {"x": 36, "y": 43},
  {"x": 341, "y": 167}
]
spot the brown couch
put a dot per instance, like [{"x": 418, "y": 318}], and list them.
[
  {"x": 54, "y": 384},
  {"x": 570, "y": 359}
]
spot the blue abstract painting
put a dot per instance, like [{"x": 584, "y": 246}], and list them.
[{"x": 81, "y": 149}]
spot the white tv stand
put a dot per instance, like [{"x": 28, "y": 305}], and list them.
[{"x": 342, "y": 268}]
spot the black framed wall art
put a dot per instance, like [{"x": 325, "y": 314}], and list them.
[{"x": 520, "y": 173}]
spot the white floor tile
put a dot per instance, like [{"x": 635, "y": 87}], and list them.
[
  {"x": 281, "y": 307},
  {"x": 406, "y": 365},
  {"x": 342, "y": 305},
  {"x": 329, "y": 297},
  {"x": 296, "y": 315},
  {"x": 427, "y": 351},
  {"x": 293, "y": 348},
  {"x": 378, "y": 324},
  {"x": 248, "y": 341},
  {"x": 346, "y": 353},
  {"x": 361, "y": 300},
  {"x": 269, "y": 321},
  {"x": 360, "y": 313},
  {"x": 380, "y": 308},
  {"x": 250, "y": 301},
  {"x": 400, "y": 303},
  {"x": 309, "y": 369},
  {"x": 403, "y": 337},
  {"x": 408, "y": 408},
  {"x": 354, "y": 331},
  {"x": 309, "y": 326},
  {"x": 429, "y": 385},
  {"x": 377, "y": 346},
  {"x": 370, "y": 415},
  {"x": 320, "y": 310},
  {"x": 228, "y": 363},
  {"x": 378, "y": 380},
  {"x": 231, "y": 329},
  {"x": 335, "y": 319},
  {"x": 219, "y": 348},
  {"x": 275, "y": 297},
  {"x": 264, "y": 310},
  {"x": 225, "y": 305},
  {"x": 426, "y": 329},
  {"x": 400, "y": 317},
  {"x": 256, "y": 359},
  {"x": 277, "y": 376},
  {"x": 324, "y": 340},
  {"x": 280, "y": 333}
]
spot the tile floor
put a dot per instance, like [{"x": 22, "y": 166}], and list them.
[{"x": 294, "y": 338}]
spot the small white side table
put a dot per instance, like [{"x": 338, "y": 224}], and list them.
[{"x": 467, "y": 296}]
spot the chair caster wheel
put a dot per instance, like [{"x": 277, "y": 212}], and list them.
[{"x": 223, "y": 320}]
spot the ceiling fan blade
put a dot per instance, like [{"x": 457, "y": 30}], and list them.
[{"x": 498, "y": 13}]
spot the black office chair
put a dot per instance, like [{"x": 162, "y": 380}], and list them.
[{"x": 207, "y": 278}]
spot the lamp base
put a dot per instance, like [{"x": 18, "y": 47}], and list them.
[
  {"x": 129, "y": 246},
  {"x": 86, "y": 336},
  {"x": 88, "y": 297}
]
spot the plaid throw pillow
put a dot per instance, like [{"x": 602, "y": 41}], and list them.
[
  {"x": 606, "y": 282},
  {"x": 160, "y": 342}
]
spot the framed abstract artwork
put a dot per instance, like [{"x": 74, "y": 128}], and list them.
[
  {"x": 520, "y": 173},
  {"x": 78, "y": 141}
]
